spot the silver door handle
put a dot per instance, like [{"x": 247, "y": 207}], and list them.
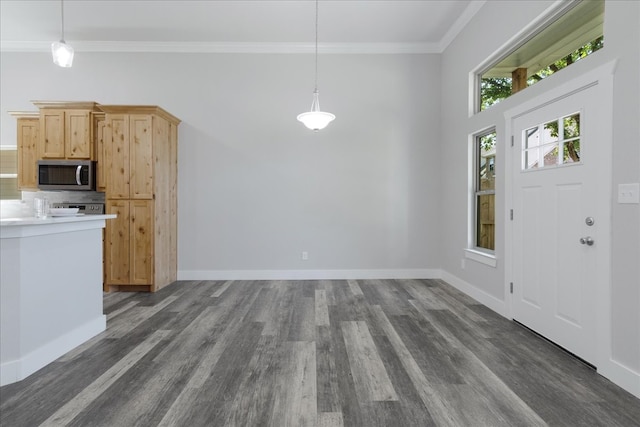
[
  {"x": 78, "y": 169},
  {"x": 587, "y": 241}
]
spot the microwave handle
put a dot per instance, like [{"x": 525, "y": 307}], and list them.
[{"x": 78, "y": 169}]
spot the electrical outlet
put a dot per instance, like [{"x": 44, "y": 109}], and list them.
[
  {"x": 629, "y": 193},
  {"x": 305, "y": 255}
]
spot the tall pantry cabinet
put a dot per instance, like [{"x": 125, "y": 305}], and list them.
[{"x": 140, "y": 152}]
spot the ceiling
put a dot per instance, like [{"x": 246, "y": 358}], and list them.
[{"x": 420, "y": 26}]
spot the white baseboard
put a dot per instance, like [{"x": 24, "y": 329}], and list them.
[
  {"x": 495, "y": 304},
  {"x": 17, "y": 370},
  {"x": 621, "y": 375},
  {"x": 308, "y": 274}
]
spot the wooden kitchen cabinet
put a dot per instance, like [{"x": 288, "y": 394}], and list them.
[
  {"x": 52, "y": 134},
  {"x": 66, "y": 130},
  {"x": 28, "y": 137},
  {"x": 117, "y": 155},
  {"x": 116, "y": 243},
  {"x": 99, "y": 125},
  {"x": 131, "y": 156},
  {"x": 141, "y": 179},
  {"x": 136, "y": 151},
  {"x": 129, "y": 243},
  {"x": 78, "y": 143},
  {"x": 141, "y": 188},
  {"x": 141, "y": 242}
]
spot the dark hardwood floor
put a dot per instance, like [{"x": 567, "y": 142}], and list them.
[{"x": 313, "y": 353}]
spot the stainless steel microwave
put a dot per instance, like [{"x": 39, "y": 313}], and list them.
[{"x": 66, "y": 175}]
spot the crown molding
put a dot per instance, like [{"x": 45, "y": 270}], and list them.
[
  {"x": 235, "y": 47},
  {"x": 461, "y": 22},
  {"x": 256, "y": 47}
]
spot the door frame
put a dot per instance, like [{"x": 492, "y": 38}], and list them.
[{"x": 600, "y": 77}]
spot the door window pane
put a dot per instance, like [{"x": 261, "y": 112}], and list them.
[
  {"x": 553, "y": 143},
  {"x": 572, "y": 151}
]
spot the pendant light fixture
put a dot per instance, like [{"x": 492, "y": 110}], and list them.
[
  {"x": 61, "y": 51},
  {"x": 316, "y": 119}
]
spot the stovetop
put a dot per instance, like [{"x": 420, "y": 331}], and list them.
[{"x": 84, "y": 208}]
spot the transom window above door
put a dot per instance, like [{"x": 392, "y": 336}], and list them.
[
  {"x": 553, "y": 143},
  {"x": 569, "y": 31}
]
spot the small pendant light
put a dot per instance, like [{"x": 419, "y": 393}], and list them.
[
  {"x": 61, "y": 51},
  {"x": 316, "y": 119}
]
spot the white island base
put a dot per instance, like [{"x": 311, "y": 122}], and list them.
[{"x": 51, "y": 290}]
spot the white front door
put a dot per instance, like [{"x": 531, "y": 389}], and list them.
[{"x": 556, "y": 228}]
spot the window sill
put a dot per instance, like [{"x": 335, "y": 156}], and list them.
[{"x": 481, "y": 257}]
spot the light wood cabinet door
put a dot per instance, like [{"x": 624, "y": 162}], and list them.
[
  {"x": 129, "y": 243},
  {"x": 77, "y": 134},
  {"x": 28, "y": 140},
  {"x": 117, "y": 156},
  {"x": 118, "y": 243},
  {"x": 141, "y": 152},
  {"x": 99, "y": 126},
  {"x": 51, "y": 134},
  {"x": 141, "y": 255}
]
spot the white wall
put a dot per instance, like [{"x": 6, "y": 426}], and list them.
[
  {"x": 256, "y": 188},
  {"x": 622, "y": 40},
  {"x": 622, "y": 26}
]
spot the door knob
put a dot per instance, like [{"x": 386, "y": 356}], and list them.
[{"x": 587, "y": 241}]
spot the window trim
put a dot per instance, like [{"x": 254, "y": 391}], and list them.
[
  {"x": 473, "y": 251},
  {"x": 481, "y": 257},
  {"x": 553, "y": 12}
]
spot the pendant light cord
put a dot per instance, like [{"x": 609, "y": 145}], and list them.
[
  {"x": 316, "y": 85},
  {"x": 62, "y": 19}
]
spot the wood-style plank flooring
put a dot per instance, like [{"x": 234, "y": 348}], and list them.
[{"x": 313, "y": 353}]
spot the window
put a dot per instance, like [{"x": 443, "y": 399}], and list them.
[
  {"x": 553, "y": 143},
  {"x": 485, "y": 190},
  {"x": 8, "y": 173},
  {"x": 571, "y": 33}
]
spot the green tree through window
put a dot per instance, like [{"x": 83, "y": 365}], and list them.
[{"x": 495, "y": 89}]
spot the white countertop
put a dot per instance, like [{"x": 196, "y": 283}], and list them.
[
  {"x": 7, "y": 222},
  {"x": 16, "y": 227}
]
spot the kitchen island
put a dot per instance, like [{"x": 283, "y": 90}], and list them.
[{"x": 50, "y": 289}]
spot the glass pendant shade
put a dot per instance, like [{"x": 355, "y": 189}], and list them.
[
  {"x": 62, "y": 54},
  {"x": 316, "y": 119}
]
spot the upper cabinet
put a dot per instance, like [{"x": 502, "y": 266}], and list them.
[
  {"x": 28, "y": 134},
  {"x": 138, "y": 150},
  {"x": 99, "y": 125},
  {"x": 78, "y": 143},
  {"x": 52, "y": 134},
  {"x": 66, "y": 130}
]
